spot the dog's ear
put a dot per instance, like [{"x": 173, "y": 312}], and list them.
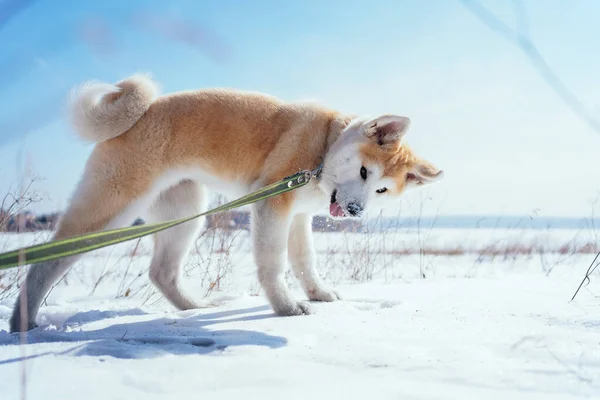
[
  {"x": 423, "y": 172},
  {"x": 387, "y": 130}
]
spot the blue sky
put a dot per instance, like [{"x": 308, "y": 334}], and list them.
[{"x": 508, "y": 143}]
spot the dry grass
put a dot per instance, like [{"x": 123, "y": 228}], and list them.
[
  {"x": 357, "y": 257},
  {"x": 213, "y": 260}
]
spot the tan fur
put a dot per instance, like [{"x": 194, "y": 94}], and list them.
[
  {"x": 236, "y": 136},
  {"x": 244, "y": 139},
  {"x": 396, "y": 162}
]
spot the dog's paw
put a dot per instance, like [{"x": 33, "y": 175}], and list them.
[
  {"x": 294, "y": 308},
  {"x": 324, "y": 294}
]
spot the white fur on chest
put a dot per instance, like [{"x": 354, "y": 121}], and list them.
[{"x": 311, "y": 200}]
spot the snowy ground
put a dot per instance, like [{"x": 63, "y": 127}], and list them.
[{"x": 494, "y": 327}]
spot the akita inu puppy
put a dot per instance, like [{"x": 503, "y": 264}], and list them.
[{"x": 159, "y": 154}]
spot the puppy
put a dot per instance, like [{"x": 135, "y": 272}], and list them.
[{"x": 156, "y": 156}]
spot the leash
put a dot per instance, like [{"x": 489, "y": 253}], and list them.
[{"x": 56, "y": 249}]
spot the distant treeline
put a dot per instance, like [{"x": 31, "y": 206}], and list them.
[{"x": 27, "y": 222}]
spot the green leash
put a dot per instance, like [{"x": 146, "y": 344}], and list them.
[{"x": 54, "y": 250}]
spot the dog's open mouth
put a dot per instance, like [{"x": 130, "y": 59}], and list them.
[{"x": 334, "y": 208}]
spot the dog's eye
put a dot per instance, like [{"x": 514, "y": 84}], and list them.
[
  {"x": 363, "y": 173},
  {"x": 382, "y": 190},
  {"x": 411, "y": 177}
]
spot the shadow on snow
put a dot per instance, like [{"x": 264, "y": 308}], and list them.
[{"x": 147, "y": 339}]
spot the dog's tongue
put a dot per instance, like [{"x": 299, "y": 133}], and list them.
[{"x": 336, "y": 210}]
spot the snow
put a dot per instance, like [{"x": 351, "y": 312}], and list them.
[{"x": 475, "y": 327}]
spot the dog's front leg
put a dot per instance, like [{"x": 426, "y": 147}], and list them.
[
  {"x": 270, "y": 230},
  {"x": 301, "y": 251}
]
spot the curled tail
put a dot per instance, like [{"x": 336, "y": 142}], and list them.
[{"x": 102, "y": 111}]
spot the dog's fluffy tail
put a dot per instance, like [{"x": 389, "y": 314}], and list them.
[{"x": 102, "y": 111}]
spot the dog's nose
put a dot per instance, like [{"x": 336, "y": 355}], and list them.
[{"x": 355, "y": 209}]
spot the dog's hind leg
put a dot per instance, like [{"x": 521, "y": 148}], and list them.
[
  {"x": 99, "y": 202},
  {"x": 172, "y": 245},
  {"x": 302, "y": 256}
]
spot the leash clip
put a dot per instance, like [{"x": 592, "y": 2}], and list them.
[{"x": 317, "y": 171}]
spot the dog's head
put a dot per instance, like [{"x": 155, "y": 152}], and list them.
[{"x": 369, "y": 166}]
